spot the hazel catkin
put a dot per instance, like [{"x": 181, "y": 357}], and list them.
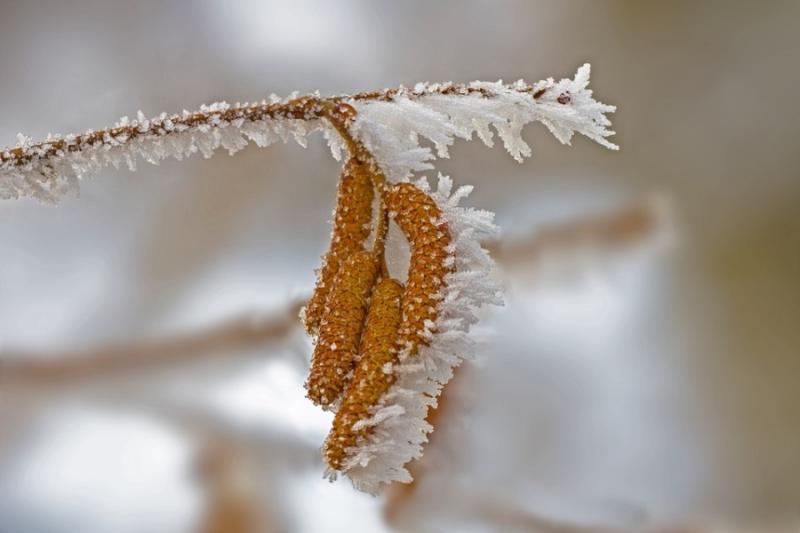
[
  {"x": 340, "y": 328},
  {"x": 420, "y": 219},
  {"x": 351, "y": 227},
  {"x": 373, "y": 374}
]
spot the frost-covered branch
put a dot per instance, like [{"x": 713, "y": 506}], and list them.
[{"x": 389, "y": 123}]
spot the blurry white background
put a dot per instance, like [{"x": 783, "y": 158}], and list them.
[{"x": 647, "y": 386}]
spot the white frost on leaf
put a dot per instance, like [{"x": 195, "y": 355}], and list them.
[{"x": 399, "y": 426}]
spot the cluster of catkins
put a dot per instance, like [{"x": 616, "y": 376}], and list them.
[{"x": 366, "y": 323}]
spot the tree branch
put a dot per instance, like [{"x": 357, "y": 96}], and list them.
[
  {"x": 47, "y": 170},
  {"x": 219, "y": 115}
]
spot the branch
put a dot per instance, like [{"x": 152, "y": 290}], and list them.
[
  {"x": 19, "y": 367},
  {"x": 218, "y": 115},
  {"x": 47, "y": 170}
]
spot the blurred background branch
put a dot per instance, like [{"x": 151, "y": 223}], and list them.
[
  {"x": 19, "y": 368},
  {"x": 612, "y": 231}
]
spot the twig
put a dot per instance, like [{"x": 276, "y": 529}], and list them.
[{"x": 309, "y": 107}]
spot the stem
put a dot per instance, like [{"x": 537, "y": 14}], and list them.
[{"x": 379, "y": 246}]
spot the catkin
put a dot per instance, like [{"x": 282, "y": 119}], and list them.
[
  {"x": 351, "y": 227},
  {"x": 340, "y": 328},
  {"x": 420, "y": 219},
  {"x": 373, "y": 374}
]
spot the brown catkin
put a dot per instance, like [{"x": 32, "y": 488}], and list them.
[
  {"x": 373, "y": 374},
  {"x": 421, "y": 221},
  {"x": 340, "y": 329},
  {"x": 351, "y": 227}
]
